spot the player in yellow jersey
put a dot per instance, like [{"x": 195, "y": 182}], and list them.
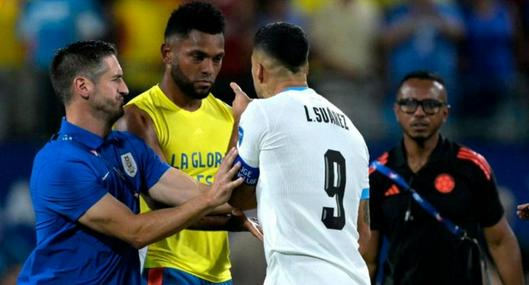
[{"x": 189, "y": 128}]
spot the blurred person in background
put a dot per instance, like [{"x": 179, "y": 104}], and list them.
[
  {"x": 240, "y": 19},
  {"x": 278, "y": 10},
  {"x": 422, "y": 34},
  {"x": 343, "y": 62},
  {"x": 523, "y": 58},
  {"x": 139, "y": 28},
  {"x": 17, "y": 236},
  {"x": 308, "y": 7},
  {"x": 17, "y": 230},
  {"x": 460, "y": 185},
  {"x": 13, "y": 119},
  {"x": 524, "y": 18},
  {"x": 45, "y": 26},
  {"x": 488, "y": 69},
  {"x": 190, "y": 129}
]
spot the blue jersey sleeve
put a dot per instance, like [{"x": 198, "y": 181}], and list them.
[{"x": 68, "y": 188}]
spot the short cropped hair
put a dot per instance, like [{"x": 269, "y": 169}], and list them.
[
  {"x": 284, "y": 42},
  {"x": 80, "y": 58},
  {"x": 200, "y": 16},
  {"x": 423, "y": 75}
]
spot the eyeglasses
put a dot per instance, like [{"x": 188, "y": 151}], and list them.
[{"x": 429, "y": 106}]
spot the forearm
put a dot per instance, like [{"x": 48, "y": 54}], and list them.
[
  {"x": 371, "y": 254},
  {"x": 210, "y": 223},
  {"x": 222, "y": 209},
  {"x": 243, "y": 197},
  {"x": 364, "y": 230},
  {"x": 174, "y": 188},
  {"x": 155, "y": 225},
  {"x": 508, "y": 261},
  {"x": 372, "y": 267},
  {"x": 219, "y": 223}
]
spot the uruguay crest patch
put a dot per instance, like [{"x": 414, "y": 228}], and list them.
[{"x": 129, "y": 164}]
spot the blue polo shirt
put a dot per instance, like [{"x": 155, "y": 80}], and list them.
[{"x": 70, "y": 174}]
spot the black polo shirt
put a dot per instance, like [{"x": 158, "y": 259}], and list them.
[{"x": 460, "y": 184}]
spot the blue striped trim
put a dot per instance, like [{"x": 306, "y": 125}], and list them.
[{"x": 365, "y": 194}]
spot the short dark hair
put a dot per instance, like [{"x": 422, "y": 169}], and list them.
[
  {"x": 79, "y": 58},
  {"x": 423, "y": 75},
  {"x": 201, "y": 16},
  {"x": 285, "y": 42}
]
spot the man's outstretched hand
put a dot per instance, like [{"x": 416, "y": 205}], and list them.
[
  {"x": 249, "y": 223},
  {"x": 240, "y": 102},
  {"x": 523, "y": 211}
]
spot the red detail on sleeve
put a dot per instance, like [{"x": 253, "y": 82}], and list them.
[{"x": 476, "y": 158}]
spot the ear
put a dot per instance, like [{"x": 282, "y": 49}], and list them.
[
  {"x": 446, "y": 111},
  {"x": 82, "y": 86},
  {"x": 167, "y": 53},
  {"x": 396, "y": 111},
  {"x": 260, "y": 73}
]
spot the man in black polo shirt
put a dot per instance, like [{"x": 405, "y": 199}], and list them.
[{"x": 457, "y": 181}]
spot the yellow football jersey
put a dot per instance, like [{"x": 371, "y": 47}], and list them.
[{"x": 194, "y": 142}]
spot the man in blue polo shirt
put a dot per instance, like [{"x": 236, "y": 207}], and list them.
[{"x": 86, "y": 181}]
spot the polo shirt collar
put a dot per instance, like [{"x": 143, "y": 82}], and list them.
[
  {"x": 437, "y": 154},
  {"x": 70, "y": 131}
]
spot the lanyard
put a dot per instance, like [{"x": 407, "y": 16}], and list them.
[{"x": 429, "y": 208}]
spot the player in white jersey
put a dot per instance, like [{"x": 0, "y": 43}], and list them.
[{"x": 305, "y": 166}]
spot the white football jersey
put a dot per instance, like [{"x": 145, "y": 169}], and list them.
[{"x": 313, "y": 166}]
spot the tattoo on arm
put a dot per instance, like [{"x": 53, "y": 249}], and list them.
[{"x": 366, "y": 213}]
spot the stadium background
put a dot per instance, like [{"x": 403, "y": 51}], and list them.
[{"x": 353, "y": 60}]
